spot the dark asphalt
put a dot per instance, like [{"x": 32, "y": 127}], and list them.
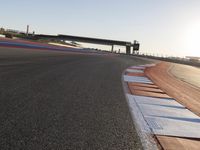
[{"x": 54, "y": 100}]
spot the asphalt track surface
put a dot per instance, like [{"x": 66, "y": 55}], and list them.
[{"x": 55, "y": 100}]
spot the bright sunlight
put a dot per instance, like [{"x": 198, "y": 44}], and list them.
[{"x": 192, "y": 39}]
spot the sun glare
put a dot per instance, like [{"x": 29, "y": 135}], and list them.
[{"x": 192, "y": 42}]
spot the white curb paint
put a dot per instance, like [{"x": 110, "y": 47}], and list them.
[
  {"x": 134, "y": 71},
  {"x": 168, "y": 117},
  {"x": 137, "y": 79},
  {"x": 159, "y": 116},
  {"x": 138, "y": 67},
  {"x": 148, "y": 65},
  {"x": 143, "y": 129}
]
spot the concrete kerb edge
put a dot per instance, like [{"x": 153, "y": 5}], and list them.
[{"x": 147, "y": 139}]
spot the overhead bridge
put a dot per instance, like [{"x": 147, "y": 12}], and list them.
[{"x": 128, "y": 45}]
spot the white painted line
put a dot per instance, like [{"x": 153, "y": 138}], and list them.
[
  {"x": 143, "y": 129},
  {"x": 137, "y": 79},
  {"x": 148, "y": 65},
  {"x": 134, "y": 71},
  {"x": 138, "y": 67},
  {"x": 166, "y": 116},
  {"x": 135, "y": 111},
  {"x": 172, "y": 126},
  {"x": 157, "y": 101}
]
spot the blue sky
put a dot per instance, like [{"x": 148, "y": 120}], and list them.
[{"x": 167, "y": 27}]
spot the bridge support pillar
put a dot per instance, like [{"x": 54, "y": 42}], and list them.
[
  {"x": 112, "y": 49},
  {"x": 128, "y": 50}
]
